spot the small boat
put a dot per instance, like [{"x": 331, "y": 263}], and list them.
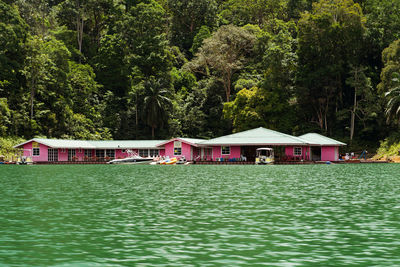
[
  {"x": 169, "y": 161},
  {"x": 132, "y": 159}
]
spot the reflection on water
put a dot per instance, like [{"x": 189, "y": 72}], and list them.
[{"x": 322, "y": 215}]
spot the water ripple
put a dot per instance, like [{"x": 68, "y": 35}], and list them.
[{"x": 322, "y": 215}]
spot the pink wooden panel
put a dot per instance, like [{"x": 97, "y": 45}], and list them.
[
  {"x": 235, "y": 152},
  {"x": 62, "y": 154},
  {"x": 80, "y": 155},
  {"x": 42, "y": 152},
  {"x": 119, "y": 154},
  {"x": 305, "y": 152},
  {"x": 216, "y": 152},
  {"x": 169, "y": 150},
  {"x": 329, "y": 153},
  {"x": 162, "y": 152},
  {"x": 28, "y": 149}
]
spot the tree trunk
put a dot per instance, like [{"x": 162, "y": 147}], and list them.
[
  {"x": 353, "y": 112},
  {"x": 79, "y": 27},
  {"x": 152, "y": 132},
  {"x": 353, "y": 116},
  {"x": 137, "y": 114},
  {"x": 32, "y": 95}
]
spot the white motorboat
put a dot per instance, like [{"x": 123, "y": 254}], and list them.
[{"x": 132, "y": 158}]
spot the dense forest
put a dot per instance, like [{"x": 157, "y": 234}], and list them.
[{"x": 131, "y": 69}]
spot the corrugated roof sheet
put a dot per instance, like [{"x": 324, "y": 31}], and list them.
[
  {"x": 191, "y": 141},
  {"x": 258, "y": 136},
  {"x": 318, "y": 139},
  {"x": 91, "y": 144}
]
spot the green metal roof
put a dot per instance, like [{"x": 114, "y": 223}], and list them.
[
  {"x": 91, "y": 144},
  {"x": 258, "y": 136},
  {"x": 320, "y": 140}
]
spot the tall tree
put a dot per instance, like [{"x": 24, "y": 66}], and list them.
[
  {"x": 224, "y": 53},
  {"x": 156, "y": 103},
  {"x": 330, "y": 39},
  {"x": 392, "y": 110},
  {"x": 258, "y": 12},
  {"x": 188, "y": 16}
]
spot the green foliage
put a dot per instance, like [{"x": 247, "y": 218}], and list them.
[
  {"x": 330, "y": 39},
  {"x": 258, "y": 12},
  {"x": 224, "y": 53},
  {"x": 156, "y": 103},
  {"x": 5, "y": 115},
  {"x": 7, "y": 144},
  {"x": 134, "y": 69},
  {"x": 188, "y": 18}
]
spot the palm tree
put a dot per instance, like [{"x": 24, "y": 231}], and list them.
[
  {"x": 156, "y": 103},
  {"x": 393, "y": 95}
]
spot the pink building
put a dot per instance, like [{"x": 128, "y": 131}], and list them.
[
  {"x": 234, "y": 147},
  {"x": 243, "y": 145},
  {"x": 45, "y": 150},
  {"x": 188, "y": 148}
]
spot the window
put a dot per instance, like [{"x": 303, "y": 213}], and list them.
[
  {"x": 110, "y": 153},
  {"x": 88, "y": 153},
  {"x": 80, "y": 150},
  {"x": 177, "y": 148},
  {"x": 35, "y": 149},
  {"x": 143, "y": 152},
  {"x": 225, "y": 150},
  {"x": 52, "y": 154},
  {"x": 71, "y": 154},
  {"x": 154, "y": 152},
  {"x": 297, "y": 151},
  {"x": 100, "y": 153}
]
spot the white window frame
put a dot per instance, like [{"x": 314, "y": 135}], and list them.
[
  {"x": 154, "y": 152},
  {"x": 177, "y": 148},
  {"x": 110, "y": 153},
  {"x": 71, "y": 154},
  {"x": 52, "y": 154},
  {"x": 88, "y": 153},
  {"x": 143, "y": 153},
  {"x": 36, "y": 149},
  {"x": 227, "y": 149},
  {"x": 296, "y": 149}
]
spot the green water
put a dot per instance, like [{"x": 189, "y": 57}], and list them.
[{"x": 107, "y": 215}]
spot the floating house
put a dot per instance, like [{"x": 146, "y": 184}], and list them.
[
  {"x": 52, "y": 150},
  {"x": 234, "y": 147}
]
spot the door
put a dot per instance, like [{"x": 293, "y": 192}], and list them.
[
  {"x": 316, "y": 153},
  {"x": 71, "y": 154}
]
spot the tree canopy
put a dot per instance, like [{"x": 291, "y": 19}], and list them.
[{"x": 142, "y": 69}]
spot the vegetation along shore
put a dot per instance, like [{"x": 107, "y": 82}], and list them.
[{"x": 157, "y": 69}]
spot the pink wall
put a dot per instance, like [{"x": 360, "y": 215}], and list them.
[
  {"x": 42, "y": 153},
  {"x": 329, "y": 153},
  {"x": 62, "y": 154},
  {"x": 305, "y": 152},
  {"x": 186, "y": 150},
  {"x": 235, "y": 152}
]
